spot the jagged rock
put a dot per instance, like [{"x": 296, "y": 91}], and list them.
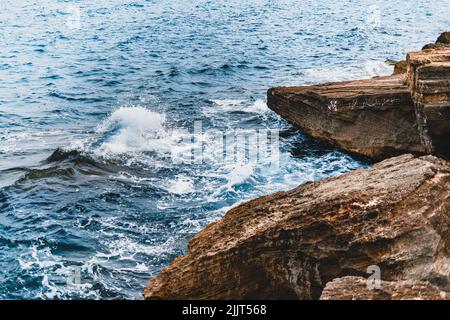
[
  {"x": 434, "y": 46},
  {"x": 383, "y": 116},
  {"x": 289, "y": 245},
  {"x": 356, "y": 288},
  {"x": 418, "y": 59},
  {"x": 444, "y": 38},
  {"x": 443, "y": 41},
  {"x": 373, "y": 117},
  {"x": 400, "y": 67},
  {"x": 429, "y": 82}
]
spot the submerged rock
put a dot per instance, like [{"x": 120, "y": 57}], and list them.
[
  {"x": 356, "y": 288},
  {"x": 289, "y": 245}
]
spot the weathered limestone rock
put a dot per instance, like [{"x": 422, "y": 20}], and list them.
[
  {"x": 418, "y": 59},
  {"x": 380, "y": 117},
  {"x": 437, "y": 45},
  {"x": 442, "y": 41},
  {"x": 400, "y": 67},
  {"x": 372, "y": 117},
  {"x": 289, "y": 245},
  {"x": 444, "y": 38},
  {"x": 429, "y": 82},
  {"x": 355, "y": 288}
]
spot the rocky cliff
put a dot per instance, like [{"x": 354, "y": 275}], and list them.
[
  {"x": 383, "y": 116},
  {"x": 428, "y": 79},
  {"x": 373, "y": 117},
  {"x": 290, "y": 245}
]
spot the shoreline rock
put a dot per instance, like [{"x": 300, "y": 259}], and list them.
[
  {"x": 428, "y": 78},
  {"x": 444, "y": 38},
  {"x": 400, "y": 67},
  {"x": 355, "y": 288},
  {"x": 408, "y": 112},
  {"x": 373, "y": 117},
  {"x": 289, "y": 245}
]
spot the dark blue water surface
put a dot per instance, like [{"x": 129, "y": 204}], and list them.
[{"x": 91, "y": 109}]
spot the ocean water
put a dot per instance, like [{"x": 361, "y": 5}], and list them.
[{"x": 96, "y": 95}]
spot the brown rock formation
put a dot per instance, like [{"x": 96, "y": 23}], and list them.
[
  {"x": 419, "y": 59},
  {"x": 372, "y": 117},
  {"x": 444, "y": 38},
  {"x": 441, "y": 42},
  {"x": 400, "y": 67},
  {"x": 428, "y": 77},
  {"x": 355, "y": 288},
  {"x": 379, "y": 117},
  {"x": 289, "y": 245}
]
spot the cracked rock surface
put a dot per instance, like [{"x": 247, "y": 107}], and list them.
[{"x": 289, "y": 245}]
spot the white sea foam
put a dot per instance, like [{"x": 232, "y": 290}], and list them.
[
  {"x": 227, "y": 102},
  {"x": 126, "y": 248},
  {"x": 133, "y": 129},
  {"x": 259, "y": 106},
  {"x": 367, "y": 69},
  {"x": 239, "y": 174},
  {"x": 56, "y": 274},
  {"x": 227, "y": 105},
  {"x": 182, "y": 185}
]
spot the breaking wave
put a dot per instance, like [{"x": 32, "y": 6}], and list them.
[{"x": 132, "y": 129}]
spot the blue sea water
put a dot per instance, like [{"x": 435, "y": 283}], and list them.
[{"x": 95, "y": 94}]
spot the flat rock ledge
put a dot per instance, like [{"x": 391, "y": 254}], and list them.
[
  {"x": 356, "y": 288},
  {"x": 408, "y": 112},
  {"x": 292, "y": 244}
]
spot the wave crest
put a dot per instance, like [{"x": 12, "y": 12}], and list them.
[{"x": 132, "y": 129}]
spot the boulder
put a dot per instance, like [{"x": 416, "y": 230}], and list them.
[
  {"x": 289, "y": 245},
  {"x": 373, "y": 117},
  {"x": 444, "y": 38},
  {"x": 356, "y": 288}
]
